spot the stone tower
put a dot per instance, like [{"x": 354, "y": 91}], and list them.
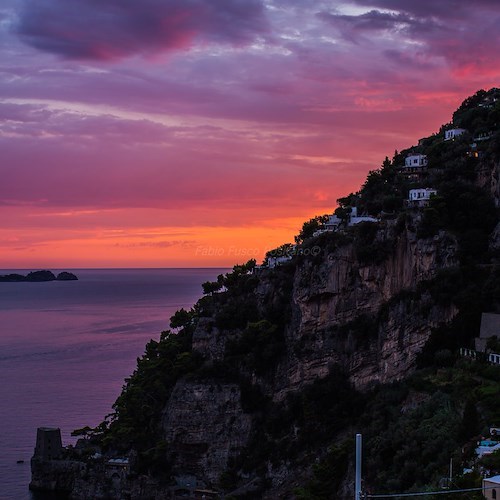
[{"x": 48, "y": 443}]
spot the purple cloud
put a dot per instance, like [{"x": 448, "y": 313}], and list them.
[
  {"x": 114, "y": 29},
  {"x": 463, "y": 34},
  {"x": 373, "y": 20},
  {"x": 444, "y": 9}
]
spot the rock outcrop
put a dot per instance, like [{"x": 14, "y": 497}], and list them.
[
  {"x": 334, "y": 294},
  {"x": 367, "y": 317},
  {"x": 55, "y": 475},
  {"x": 204, "y": 426},
  {"x": 38, "y": 276}
]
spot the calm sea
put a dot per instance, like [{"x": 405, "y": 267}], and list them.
[{"x": 66, "y": 347}]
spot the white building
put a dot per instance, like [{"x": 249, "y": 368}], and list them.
[
  {"x": 334, "y": 223},
  {"x": 117, "y": 470},
  {"x": 494, "y": 358},
  {"x": 490, "y": 327},
  {"x": 451, "y": 134},
  {"x": 356, "y": 219},
  {"x": 484, "y": 136},
  {"x": 491, "y": 487},
  {"x": 278, "y": 261},
  {"x": 416, "y": 161},
  {"x": 487, "y": 447},
  {"x": 420, "y": 197}
]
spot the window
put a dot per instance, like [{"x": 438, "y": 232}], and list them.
[{"x": 493, "y": 493}]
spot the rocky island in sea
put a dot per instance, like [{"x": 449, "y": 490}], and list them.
[
  {"x": 381, "y": 319},
  {"x": 37, "y": 276}
]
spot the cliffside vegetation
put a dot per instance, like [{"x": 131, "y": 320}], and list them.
[{"x": 302, "y": 432}]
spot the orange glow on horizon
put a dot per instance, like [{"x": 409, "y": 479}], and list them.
[{"x": 210, "y": 247}]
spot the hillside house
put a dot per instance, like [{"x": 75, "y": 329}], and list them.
[
  {"x": 334, "y": 223},
  {"x": 418, "y": 198},
  {"x": 487, "y": 447},
  {"x": 474, "y": 151},
  {"x": 491, "y": 488},
  {"x": 416, "y": 161},
  {"x": 453, "y": 133},
  {"x": 490, "y": 327},
  {"x": 485, "y": 136},
  {"x": 415, "y": 167},
  {"x": 354, "y": 218},
  {"x": 489, "y": 101},
  {"x": 278, "y": 260},
  {"x": 117, "y": 468}
]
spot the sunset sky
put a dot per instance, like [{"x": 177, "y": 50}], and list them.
[{"x": 199, "y": 133}]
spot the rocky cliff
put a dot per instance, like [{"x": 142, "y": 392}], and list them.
[
  {"x": 332, "y": 296},
  {"x": 370, "y": 318},
  {"x": 205, "y": 427}
]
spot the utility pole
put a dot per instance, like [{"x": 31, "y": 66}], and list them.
[{"x": 357, "y": 484}]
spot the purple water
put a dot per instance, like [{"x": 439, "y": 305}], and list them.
[{"x": 65, "y": 348}]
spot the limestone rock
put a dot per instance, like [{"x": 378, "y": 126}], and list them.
[{"x": 204, "y": 426}]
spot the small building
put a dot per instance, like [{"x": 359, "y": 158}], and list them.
[
  {"x": 356, "y": 219},
  {"x": 453, "y": 133},
  {"x": 48, "y": 443},
  {"x": 491, "y": 487},
  {"x": 490, "y": 327},
  {"x": 468, "y": 353},
  {"x": 415, "y": 167},
  {"x": 419, "y": 198},
  {"x": 334, "y": 223},
  {"x": 494, "y": 358},
  {"x": 117, "y": 470},
  {"x": 487, "y": 447},
  {"x": 278, "y": 261},
  {"x": 416, "y": 161},
  {"x": 121, "y": 465},
  {"x": 489, "y": 101},
  {"x": 485, "y": 136},
  {"x": 474, "y": 151}
]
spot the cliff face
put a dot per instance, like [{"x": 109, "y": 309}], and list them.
[
  {"x": 54, "y": 475},
  {"x": 366, "y": 317},
  {"x": 331, "y": 296},
  {"x": 205, "y": 427}
]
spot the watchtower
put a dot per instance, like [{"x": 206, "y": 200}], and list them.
[{"x": 48, "y": 443}]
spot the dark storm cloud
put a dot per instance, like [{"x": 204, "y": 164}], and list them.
[{"x": 113, "y": 29}]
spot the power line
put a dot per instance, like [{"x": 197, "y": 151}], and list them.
[{"x": 427, "y": 493}]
